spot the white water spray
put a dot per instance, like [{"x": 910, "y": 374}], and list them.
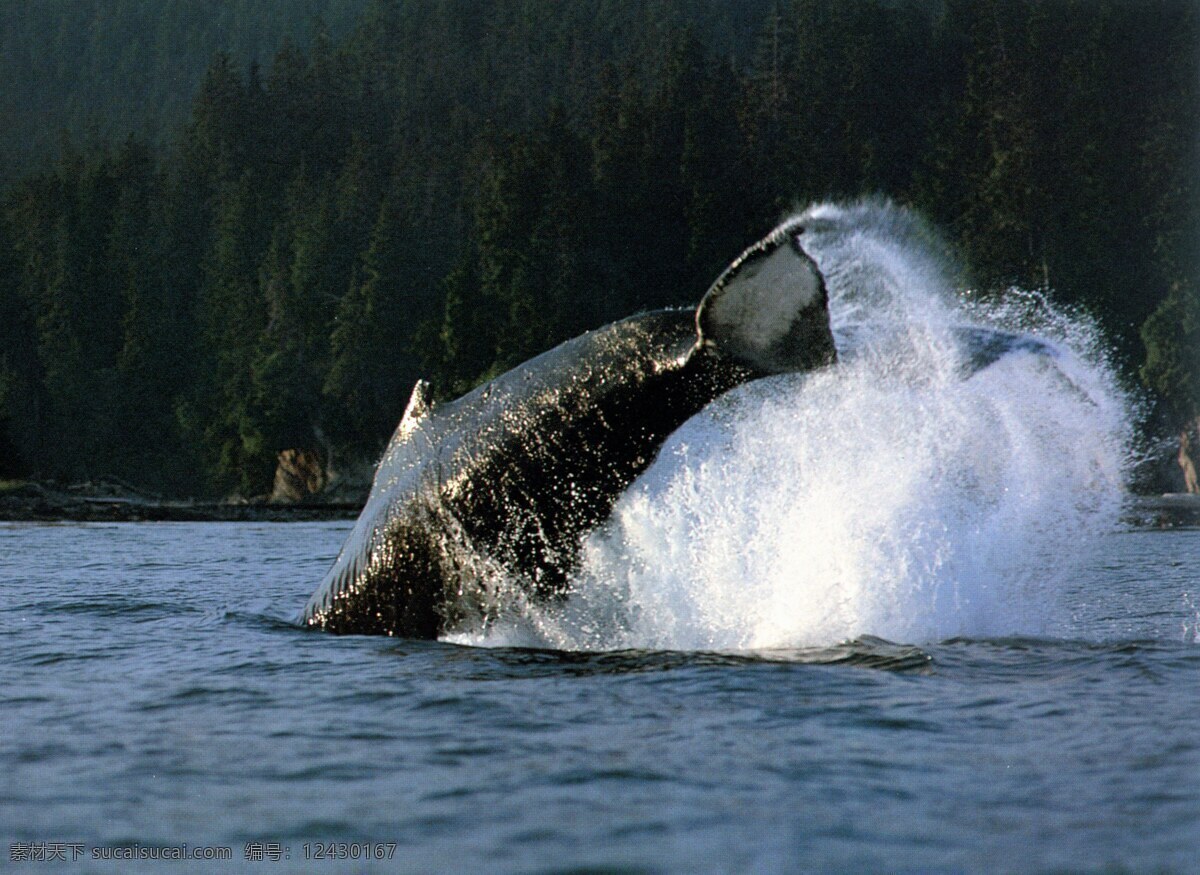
[{"x": 893, "y": 495}]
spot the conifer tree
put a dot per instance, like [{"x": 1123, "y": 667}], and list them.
[
  {"x": 220, "y": 417},
  {"x": 19, "y": 378},
  {"x": 374, "y": 362}
]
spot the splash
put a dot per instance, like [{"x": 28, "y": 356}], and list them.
[{"x": 897, "y": 494}]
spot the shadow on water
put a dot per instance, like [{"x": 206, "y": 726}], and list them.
[
  {"x": 866, "y": 651},
  {"x": 997, "y": 657},
  {"x": 863, "y": 652}
]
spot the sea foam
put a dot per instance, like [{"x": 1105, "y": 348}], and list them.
[{"x": 894, "y": 494}]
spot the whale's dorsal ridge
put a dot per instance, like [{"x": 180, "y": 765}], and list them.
[{"x": 420, "y": 402}]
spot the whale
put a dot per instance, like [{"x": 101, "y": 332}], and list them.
[{"x": 490, "y": 496}]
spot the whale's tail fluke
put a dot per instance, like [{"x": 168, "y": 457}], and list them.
[
  {"x": 769, "y": 309},
  {"x": 983, "y": 347}
]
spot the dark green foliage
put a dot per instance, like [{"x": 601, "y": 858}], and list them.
[
  {"x": 374, "y": 361},
  {"x": 20, "y": 377},
  {"x": 1172, "y": 367},
  {"x": 441, "y": 189},
  {"x": 536, "y": 220},
  {"x": 1041, "y": 169},
  {"x": 107, "y": 69}
]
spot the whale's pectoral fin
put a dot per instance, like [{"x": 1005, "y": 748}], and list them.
[
  {"x": 769, "y": 309},
  {"x": 985, "y": 346}
]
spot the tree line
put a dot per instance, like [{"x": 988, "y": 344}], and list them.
[{"x": 453, "y": 187}]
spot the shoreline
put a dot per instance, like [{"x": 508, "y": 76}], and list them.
[
  {"x": 28, "y": 501},
  {"x": 1169, "y": 510}
]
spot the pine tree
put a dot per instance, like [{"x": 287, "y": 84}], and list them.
[
  {"x": 19, "y": 378},
  {"x": 219, "y": 417},
  {"x": 374, "y": 363},
  {"x": 302, "y": 280}
]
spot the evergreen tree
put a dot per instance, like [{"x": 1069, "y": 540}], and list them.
[
  {"x": 150, "y": 369},
  {"x": 533, "y": 224},
  {"x": 374, "y": 360},
  {"x": 302, "y": 280},
  {"x": 219, "y": 417},
  {"x": 19, "y": 378},
  {"x": 1172, "y": 367},
  {"x": 62, "y": 222}
]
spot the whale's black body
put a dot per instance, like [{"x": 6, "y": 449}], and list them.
[{"x": 503, "y": 483}]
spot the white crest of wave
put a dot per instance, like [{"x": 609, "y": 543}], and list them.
[{"x": 891, "y": 495}]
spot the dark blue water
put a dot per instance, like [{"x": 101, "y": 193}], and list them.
[{"x": 157, "y": 694}]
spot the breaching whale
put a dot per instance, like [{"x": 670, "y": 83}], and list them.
[{"x": 504, "y": 483}]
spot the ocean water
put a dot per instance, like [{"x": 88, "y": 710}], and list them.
[
  {"x": 884, "y": 617},
  {"x": 157, "y": 694}
]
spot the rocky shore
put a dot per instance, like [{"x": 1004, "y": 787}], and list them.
[
  {"x": 115, "y": 502},
  {"x": 108, "y": 501},
  {"x": 1169, "y": 511}
]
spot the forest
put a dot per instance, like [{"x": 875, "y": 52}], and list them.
[
  {"x": 100, "y": 70},
  {"x": 442, "y": 188}
]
